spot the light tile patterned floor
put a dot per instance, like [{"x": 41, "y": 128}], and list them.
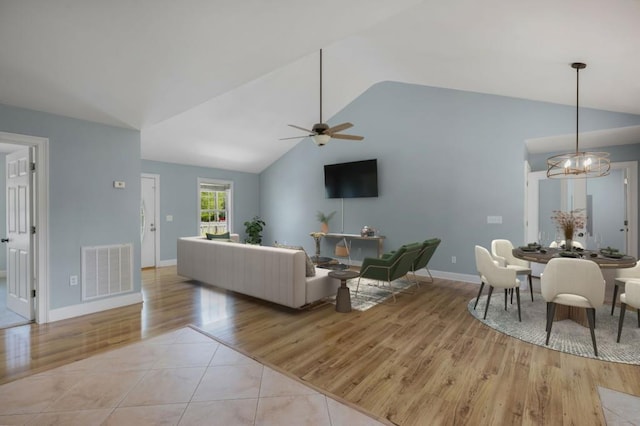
[
  {"x": 620, "y": 408},
  {"x": 183, "y": 378}
]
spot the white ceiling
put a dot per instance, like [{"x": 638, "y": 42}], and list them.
[{"x": 214, "y": 83}]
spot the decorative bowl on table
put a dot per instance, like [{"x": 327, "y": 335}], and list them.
[
  {"x": 611, "y": 253},
  {"x": 569, "y": 254},
  {"x": 531, "y": 247}
]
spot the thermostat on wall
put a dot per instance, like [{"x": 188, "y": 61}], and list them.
[{"x": 118, "y": 184}]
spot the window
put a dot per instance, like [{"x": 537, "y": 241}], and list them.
[{"x": 214, "y": 206}]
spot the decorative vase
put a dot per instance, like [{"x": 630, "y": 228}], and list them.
[
  {"x": 568, "y": 244},
  {"x": 324, "y": 227},
  {"x": 317, "y": 247}
]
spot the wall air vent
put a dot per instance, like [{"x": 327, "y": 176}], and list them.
[{"x": 106, "y": 270}]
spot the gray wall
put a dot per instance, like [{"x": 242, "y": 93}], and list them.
[
  {"x": 447, "y": 159},
  {"x": 179, "y": 198},
  {"x": 3, "y": 211},
  {"x": 85, "y": 210}
]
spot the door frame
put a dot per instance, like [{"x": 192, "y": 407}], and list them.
[
  {"x": 156, "y": 236},
  {"x": 40, "y": 209}
]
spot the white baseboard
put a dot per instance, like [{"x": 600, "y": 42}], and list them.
[
  {"x": 95, "y": 306},
  {"x": 454, "y": 276},
  {"x": 170, "y": 262}
]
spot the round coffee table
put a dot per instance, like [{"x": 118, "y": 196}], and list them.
[{"x": 343, "y": 298}]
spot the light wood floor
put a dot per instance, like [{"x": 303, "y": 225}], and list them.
[{"x": 422, "y": 360}]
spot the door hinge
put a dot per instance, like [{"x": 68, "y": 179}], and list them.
[
  {"x": 33, "y": 229},
  {"x": 33, "y": 293},
  {"x": 33, "y": 167}
]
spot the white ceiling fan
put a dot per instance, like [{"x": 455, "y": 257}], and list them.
[{"x": 321, "y": 133}]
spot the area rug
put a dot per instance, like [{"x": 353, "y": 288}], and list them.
[
  {"x": 372, "y": 292},
  {"x": 566, "y": 336}
]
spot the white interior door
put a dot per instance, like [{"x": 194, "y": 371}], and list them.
[
  {"x": 149, "y": 231},
  {"x": 18, "y": 239}
]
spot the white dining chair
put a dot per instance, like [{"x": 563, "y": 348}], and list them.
[
  {"x": 502, "y": 251},
  {"x": 496, "y": 277},
  {"x": 631, "y": 297},
  {"x": 573, "y": 282},
  {"x": 623, "y": 275}
]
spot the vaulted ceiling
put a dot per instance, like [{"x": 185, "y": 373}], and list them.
[{"x": 214, "y": 83}]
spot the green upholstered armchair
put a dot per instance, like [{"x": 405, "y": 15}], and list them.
[
  {"x": 426, "y": 252},
  {"x": 390, "y": 266}
]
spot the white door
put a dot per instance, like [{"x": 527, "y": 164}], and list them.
[
  {"x": 18, "y": 239},
  {"x": 149, "y": 221}
]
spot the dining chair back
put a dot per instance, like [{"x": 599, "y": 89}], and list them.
[{"x": 573, "y": 282}]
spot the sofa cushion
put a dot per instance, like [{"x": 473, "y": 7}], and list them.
[
  {"x": 220, "y": 237},
  {"x": 310, "y": 268}
]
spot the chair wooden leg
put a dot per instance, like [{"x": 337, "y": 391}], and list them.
[
  {"x": 615, "y": 295},
  {"x": 505, "y": 299},
  {"x": 531, "y": 287},
  {"x": 638, "y": 318},
  {"x": 518, "y": 300},
  {"x": 479, "y": 293},
  {"x": 486, "y": 308},
  {"x": 623, "y": 309},
  {"x": 358, "y": 286},
  {"x": 591, "y": 317},
  {"x": 551, "y": 312}
]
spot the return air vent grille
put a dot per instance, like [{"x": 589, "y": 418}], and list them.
[{"x": 106, "y": 270}]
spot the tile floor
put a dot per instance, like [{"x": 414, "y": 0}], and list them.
[
  {"x": 620, "y": 408},
  {"x": 180, "y": 378}
]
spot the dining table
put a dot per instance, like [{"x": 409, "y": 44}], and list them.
[{"x": 604, "y": 259}]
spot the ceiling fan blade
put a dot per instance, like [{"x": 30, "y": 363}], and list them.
[
  {"x": 349, "y": 137},
  {"x": 295, "y": 137},
  {"x": 339, "y": 128},
  {"x": 300, "y": 128}
]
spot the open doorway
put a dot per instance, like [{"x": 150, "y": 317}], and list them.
[{"x": 23, "y": 226}]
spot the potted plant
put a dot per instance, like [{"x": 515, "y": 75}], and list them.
[
  {"x": 324, "y": 221},
  {"x": 253, "y": 228}
]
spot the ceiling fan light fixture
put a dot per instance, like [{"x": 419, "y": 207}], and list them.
[
  {"x": 321, "y": 140},
  {"x": 578, "y": 164}
]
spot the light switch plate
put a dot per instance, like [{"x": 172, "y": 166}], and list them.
[
  {"x": 118, "y": 184},
  {"x": 494, "y": 219}
]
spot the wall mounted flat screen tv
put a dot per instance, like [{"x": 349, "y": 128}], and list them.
[{"x": 351, "y": 180}]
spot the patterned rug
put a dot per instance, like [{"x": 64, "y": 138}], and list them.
[
  {"x": 372, "y": 292},
  {"x": 567, "y": 335}
]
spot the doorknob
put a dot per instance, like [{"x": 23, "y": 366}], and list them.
[
  {"x": 152, "y": 228},
  {"x": 5, "y": 240}
]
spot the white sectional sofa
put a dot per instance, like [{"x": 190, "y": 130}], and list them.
[{"x": 269, "y": 273}]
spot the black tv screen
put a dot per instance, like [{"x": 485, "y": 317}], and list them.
[{"x": 351, "y": 180}]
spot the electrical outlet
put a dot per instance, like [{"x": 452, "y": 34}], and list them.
[
  {"x": 73, "y": 280},
  {"x": 453, "y": 259}
]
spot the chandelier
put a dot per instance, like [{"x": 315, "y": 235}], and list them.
[{"x": 578, "y": 164}]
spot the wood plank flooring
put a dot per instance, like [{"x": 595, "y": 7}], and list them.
[{"x": 422, "y": 360}]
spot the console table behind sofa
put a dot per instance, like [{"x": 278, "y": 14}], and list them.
[{"x": 378, "y": 239}]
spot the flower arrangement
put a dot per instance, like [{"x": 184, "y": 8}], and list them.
[{"x": 568, "y": 222}]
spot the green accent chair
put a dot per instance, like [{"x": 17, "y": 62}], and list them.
[
  {"x": 390, "y": 266},
  {"x": 426, "y": 253}
]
